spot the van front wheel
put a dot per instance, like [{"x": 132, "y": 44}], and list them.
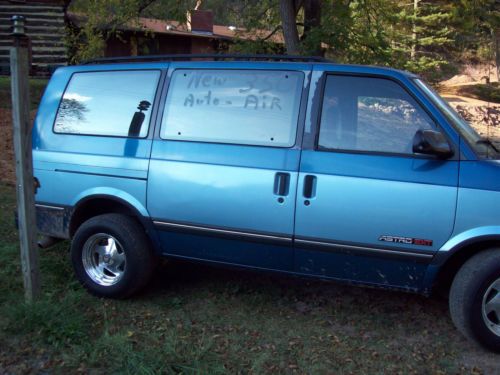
[
  {"x": 475, "y": 299},
  {"x": 111, "y": 256}
]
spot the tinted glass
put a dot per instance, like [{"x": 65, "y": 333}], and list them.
[
  {"x": 108, "y": 103},
  {"x": 369, "y": 114},
  {"x": 233, "y": 106}
]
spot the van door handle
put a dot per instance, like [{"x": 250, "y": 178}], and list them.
[
  {"x": 282, "y": 184},
  {"x": 309, "y": 186}
]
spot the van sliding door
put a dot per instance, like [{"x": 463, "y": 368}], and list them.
[{"x": 224, "y": 165}]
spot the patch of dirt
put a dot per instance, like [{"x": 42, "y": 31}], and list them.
[
  {"x": 459, "y": 79},
  {"x": 479, "y": 361},
  {"x": 7, "y": 162},
  {"x": 7, "y": 171},
  {"x": 473, "y": 74},
  {"x": 481, "y": 116}
]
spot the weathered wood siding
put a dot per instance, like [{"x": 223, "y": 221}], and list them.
[{"x": 45, "y": 26}]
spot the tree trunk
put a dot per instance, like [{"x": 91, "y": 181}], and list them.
[
  {"x": 414, "y": 35},
  {"x": 312, "y": 19},
  {"x": 290, "y": 32},
  {"x": 496, "y": 46}
]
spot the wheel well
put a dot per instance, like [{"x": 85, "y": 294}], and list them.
[
  {"x": 453, "y": 264},
  {"x": 97, "y": 206}
]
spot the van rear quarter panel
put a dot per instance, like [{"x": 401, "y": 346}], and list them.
[{"x": 71, "y": 167}]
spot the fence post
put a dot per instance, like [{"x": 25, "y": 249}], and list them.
[{"x": 19, "y": 69}]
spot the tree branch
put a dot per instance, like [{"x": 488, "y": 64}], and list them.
[{"x": 276, "y": 29}]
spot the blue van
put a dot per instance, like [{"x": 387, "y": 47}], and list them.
[{"x": 351, "y": 173}]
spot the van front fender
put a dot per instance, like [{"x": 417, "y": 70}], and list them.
[
  {"x": 469, "y": 237},
  {"x": 457, "y": 250}
]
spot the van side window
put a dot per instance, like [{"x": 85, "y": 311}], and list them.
[
  {"x": 252, "y": 107},
  {"x": 369, "y": 114},
  {"x": 113, "y": 103}
]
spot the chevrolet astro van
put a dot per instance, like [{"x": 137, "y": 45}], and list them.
[{"x": 351, "y": 173}]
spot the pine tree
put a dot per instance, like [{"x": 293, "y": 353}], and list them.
[
  {"x": 479, "y": 21},
  {"x": 421, "y": 36}
]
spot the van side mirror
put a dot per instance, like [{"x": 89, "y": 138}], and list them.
[{"x": 431, "y": 142}]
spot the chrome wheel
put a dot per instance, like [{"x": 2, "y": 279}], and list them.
[
  {"x": 491, "y": 307},
  {"x": 103, "y": 259}
]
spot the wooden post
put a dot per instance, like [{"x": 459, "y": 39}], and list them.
[{"x": 19, "y": 68}]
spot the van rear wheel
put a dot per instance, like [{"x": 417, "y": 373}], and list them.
[
  {"x": 475, "y": 299},
  {"x": 111, "y": 256}
]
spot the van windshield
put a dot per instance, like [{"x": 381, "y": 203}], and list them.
[{"x": 485, "y": 147}]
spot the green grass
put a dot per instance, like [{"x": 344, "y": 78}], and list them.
[
  {"x": 37, "y": 87},
  {"x": 194, "y": 319}
]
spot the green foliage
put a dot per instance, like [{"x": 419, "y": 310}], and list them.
[
  {"x": 255, "y": 47},
  {"x": 478, "y": 16},
  {"x": 49, "y": 321},
  {"x": 384, "y": 32},
  {"x": 99, "y": 20},
  {"x": 85, "y": 43},
  {"x": 168, "y": 354},
  {"x": 478, "y": 21}
]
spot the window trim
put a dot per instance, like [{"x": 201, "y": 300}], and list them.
[
  {"x": 153, "y": 104},
  {"x": 317, "y": 124},
  {"x": 302, "y": 106}
]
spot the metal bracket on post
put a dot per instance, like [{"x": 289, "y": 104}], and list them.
[{"x": 19, "y": 68}]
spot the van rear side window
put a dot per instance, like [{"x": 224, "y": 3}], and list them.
[
  {"x": 252, "y": 107},
  {"x": 116, "y": 103}
]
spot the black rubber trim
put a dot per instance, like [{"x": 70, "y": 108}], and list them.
[
  {"x": 223, "y": 232},
  {"x": 357, "y": 249},
  {"x": 101, "y": 174},
  {"x": 302, "y": 242}
]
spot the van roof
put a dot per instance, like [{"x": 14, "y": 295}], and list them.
[
  {"x": 235, "y": 60},
  {"x": 200, "y": 58},
  {"x": 209, "y": 57}
]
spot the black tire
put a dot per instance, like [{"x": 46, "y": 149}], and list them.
[
  {"x": 471, "y": 286},
  {"x": 133, "y": 252}
]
